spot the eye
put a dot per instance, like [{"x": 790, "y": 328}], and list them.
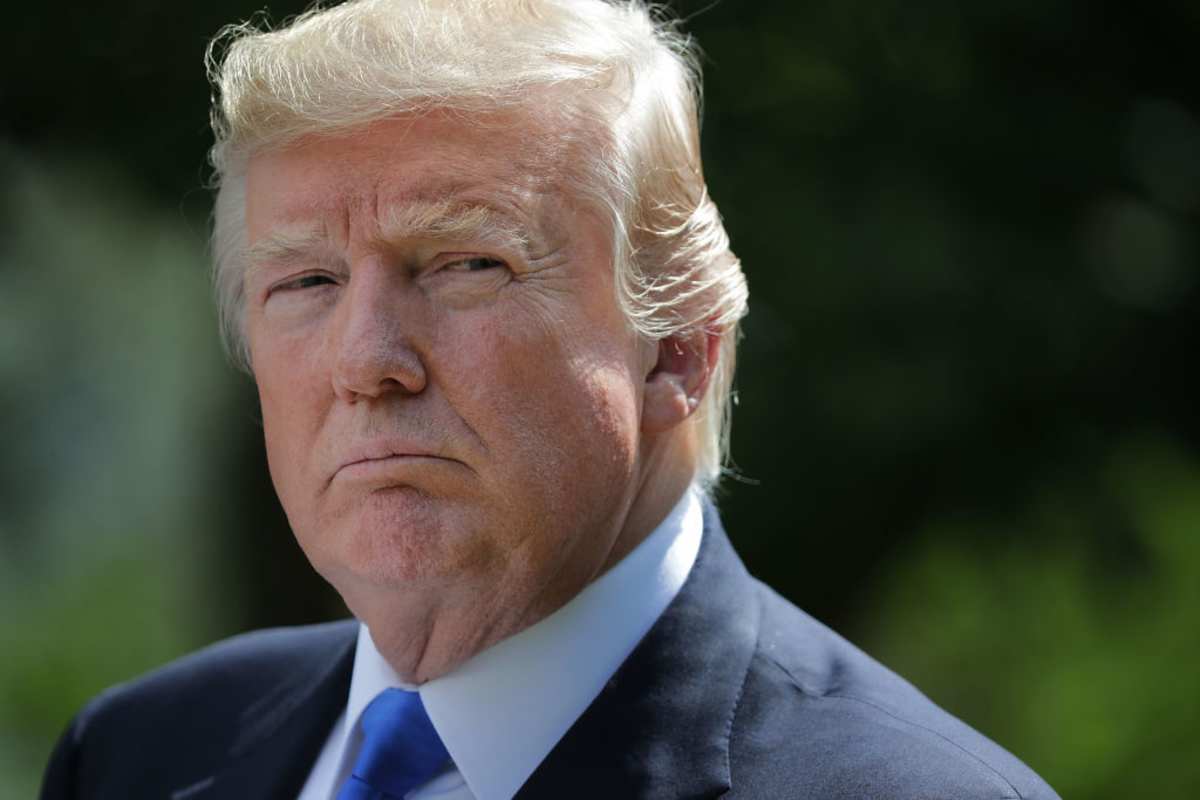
[
  {"x": 475, "y": 264},
  {"x": 301, "y": 284},
  {"x": 309, "y": 281}
]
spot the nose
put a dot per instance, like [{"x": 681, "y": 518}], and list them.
[{"x": 372, "y": 347}]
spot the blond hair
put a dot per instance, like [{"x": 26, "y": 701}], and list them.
[{"x": 621, "y": 69}]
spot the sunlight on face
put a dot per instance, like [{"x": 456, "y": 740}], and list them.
[{"x": 451, "y": 398}]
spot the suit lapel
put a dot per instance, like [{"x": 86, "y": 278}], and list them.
[
  {"x": 660, "y": 729},
  {"x": 281, "y": 734}
]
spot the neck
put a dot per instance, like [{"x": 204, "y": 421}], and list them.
[
  {"x": 425, "y": 632},
  {"x": 667, "y": 472}
]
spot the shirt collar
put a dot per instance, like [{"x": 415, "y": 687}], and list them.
[{"x": 500, "y": 713}]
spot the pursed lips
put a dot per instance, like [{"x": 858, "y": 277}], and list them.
[{"x": 371, "y": 457}]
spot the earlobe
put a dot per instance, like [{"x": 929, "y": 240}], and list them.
[{"x": 676, "y": 383}]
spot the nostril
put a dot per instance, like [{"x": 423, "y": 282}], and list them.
[{"x": 377, "y": 371}]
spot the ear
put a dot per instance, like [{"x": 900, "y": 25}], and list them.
[{"x": 676, "y": 383}]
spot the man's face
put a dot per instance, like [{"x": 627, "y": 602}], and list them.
[{"x": 451, "y": 397}]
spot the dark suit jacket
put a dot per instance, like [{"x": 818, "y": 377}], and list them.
[{"x": 734, "y": 693}]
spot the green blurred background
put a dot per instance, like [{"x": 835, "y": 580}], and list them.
[{"x": 967, "y": 418}]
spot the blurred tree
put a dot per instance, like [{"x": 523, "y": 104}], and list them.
[
  {"x": 113, "y": 398},
  {"x": 1087, "y": 663}
]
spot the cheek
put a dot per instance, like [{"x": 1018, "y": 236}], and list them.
[
  {"x": 613, "y": 416},
  {"x": 563, "y": 401},
  {"x": 280, "y": 446},
  {"x": 291, "y": 414}
]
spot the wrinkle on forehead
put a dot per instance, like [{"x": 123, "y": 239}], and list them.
[{"x": 492, "y": 179}]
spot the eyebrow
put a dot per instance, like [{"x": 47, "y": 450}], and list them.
[
  {"x": 424, "y": 219},
  {"x": 283, "y": 245},
  {"x": 450, "y": 220}
]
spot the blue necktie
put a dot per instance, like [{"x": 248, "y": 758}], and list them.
[{"x": 400, "y": 749}]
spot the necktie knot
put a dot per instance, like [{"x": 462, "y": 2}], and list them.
[{"x": 400, "y": 749}]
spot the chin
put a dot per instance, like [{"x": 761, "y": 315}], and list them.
[{"x": 396, "y": 539}]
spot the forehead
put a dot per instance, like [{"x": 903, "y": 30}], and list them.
[{"x": 356, "y": 178}]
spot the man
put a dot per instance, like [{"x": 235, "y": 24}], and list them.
[{"x": 466, "y": 251}]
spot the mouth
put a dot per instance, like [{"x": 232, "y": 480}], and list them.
[
  {"x": 386, "y": 462},
  {"x": 390, "y": 462}
]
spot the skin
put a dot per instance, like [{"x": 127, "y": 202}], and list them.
[{"x": 462, "y": 427}]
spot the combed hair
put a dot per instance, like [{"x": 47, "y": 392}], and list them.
[{"x": 616, "y": 71}]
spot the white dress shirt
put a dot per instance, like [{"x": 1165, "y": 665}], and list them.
[{"x": 500, "y": 713}]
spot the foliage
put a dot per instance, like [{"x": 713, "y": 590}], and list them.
[
  {"x": 1085, "y": 666},
  {"x": 112, "y": 393}
]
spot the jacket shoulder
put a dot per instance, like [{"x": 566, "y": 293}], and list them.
[
  {"x": 228, "y": 672},
  {"x": 818, "y": 717},
  {"x": 192, "y": 708}
]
